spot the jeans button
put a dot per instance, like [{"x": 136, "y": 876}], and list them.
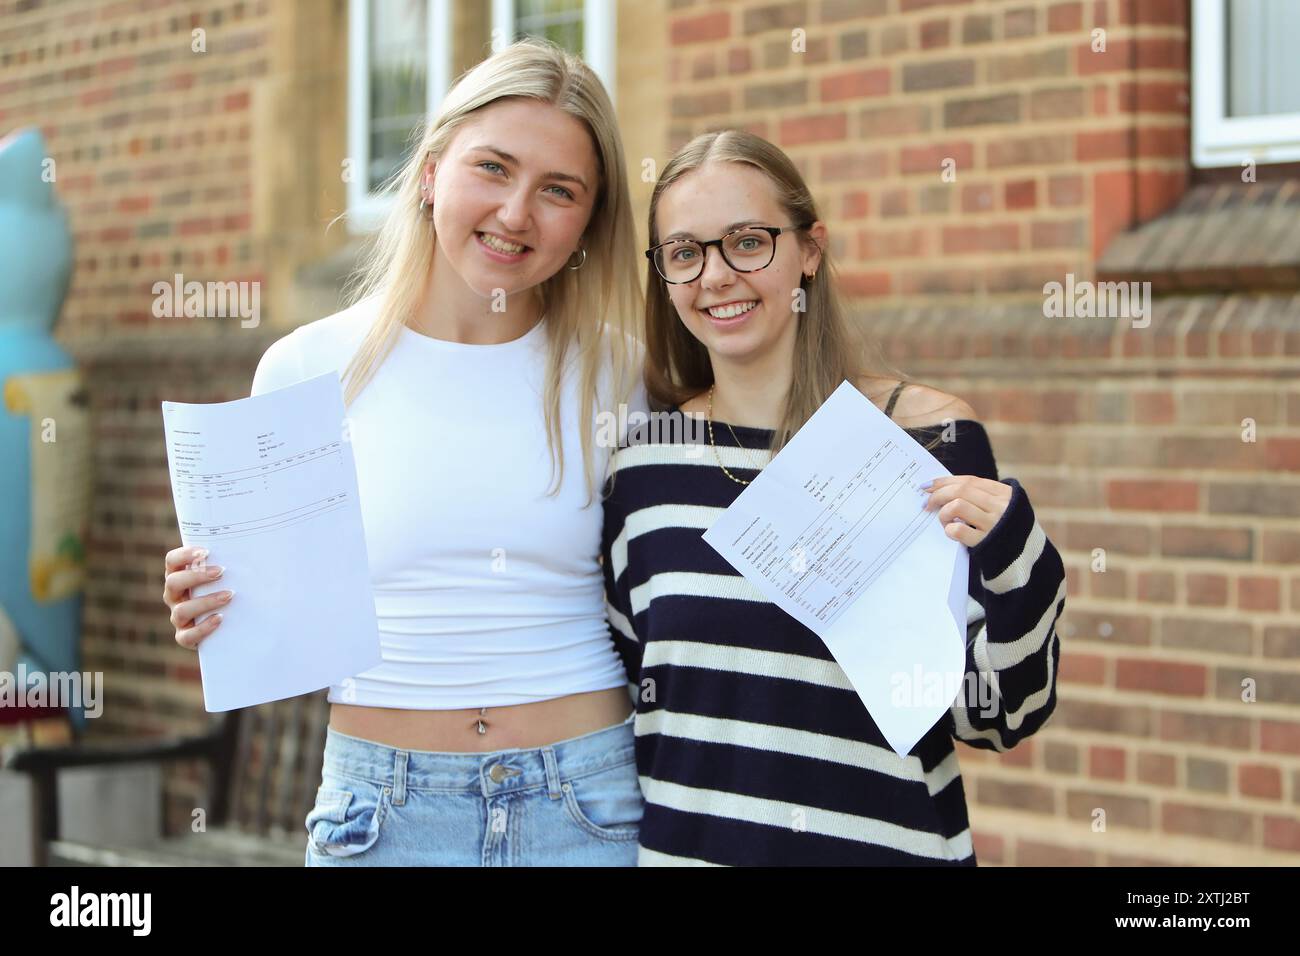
[{"x": 498, "y": 773}]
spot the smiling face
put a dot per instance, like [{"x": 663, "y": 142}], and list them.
[
  {"x": 512, "y": 194},
  {"x": 739, "y": 316}
]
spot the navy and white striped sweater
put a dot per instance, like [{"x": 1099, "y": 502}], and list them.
[{"x": 752, "y": 747}]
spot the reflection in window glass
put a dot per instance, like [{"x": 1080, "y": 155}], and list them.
[
  {"x": 559, "y": 21},
  {"x": 1263, "y": 73},
  {"x": 398, "y": 83}
]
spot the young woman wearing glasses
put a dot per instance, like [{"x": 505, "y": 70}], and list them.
[{"x": 752, "y": 746}]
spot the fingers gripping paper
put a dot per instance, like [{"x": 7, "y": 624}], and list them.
[
  {"x": 269, "y": 486},
  {"x": 834, "y": 531}
]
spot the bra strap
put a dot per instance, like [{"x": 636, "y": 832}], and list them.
[{"x": 889, "y": 408}]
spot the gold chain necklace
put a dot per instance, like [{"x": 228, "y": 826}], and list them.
[{"x": 716, "y": 456}]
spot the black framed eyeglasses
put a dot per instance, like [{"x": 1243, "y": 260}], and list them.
[{"x": 747, "y": 249}]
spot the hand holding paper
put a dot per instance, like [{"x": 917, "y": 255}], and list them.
[
  {"x": 835, "y": 532},
  {"x": 268, "y": 485},
  {"x": 979, "y": 503}
]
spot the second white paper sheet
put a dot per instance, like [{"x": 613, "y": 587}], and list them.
[
  {"x": 834, "y": 531},
  {"x": 268, "y": 485}
]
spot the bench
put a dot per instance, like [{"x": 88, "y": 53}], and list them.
[{"x": 264, "y": 768}]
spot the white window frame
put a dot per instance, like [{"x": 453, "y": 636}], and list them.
[
  {"x": 367, "y": 209},
  {"x": 1217, "y": 138},
  {"x": 599, "y": 36}
]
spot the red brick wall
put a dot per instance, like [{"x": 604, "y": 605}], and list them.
[
  {"x": 1056, "y": 147},
  {"x": 151, "y": 141},
  {"x": 1131, "y": 441}
]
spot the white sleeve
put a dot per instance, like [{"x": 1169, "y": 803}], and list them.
[{"x": 281, "y": 365}]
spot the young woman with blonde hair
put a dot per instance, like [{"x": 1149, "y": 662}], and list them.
[
  {"x": 494, "y": 323},
  {"x": 752, "y": 746}
]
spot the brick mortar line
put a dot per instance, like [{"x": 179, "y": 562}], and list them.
[
  {"x": 1036, "y": 42},
  {"x": 1097, "y": 604},
  {"x": 1085, "y": 561},
  {"x": 1055, "y": 367},
  {"x": 1177, "y": 748},
  {"x": 1209, "y": 563},
  {"x": 1218, "y": 707},
  {"x": 124, "y": 97},
  {"x": 1228, "y": 430},
  {"x": 1194, "y": 851},
  {"x": 1170, "y": 656},
  {"x": 1133, "y": 788},
  {"x": 783, "y": 75},
  {"x": 980, "y": 133},
  {"x": 1233, "y": 799},
  {"x": 1140, "y": 605}
]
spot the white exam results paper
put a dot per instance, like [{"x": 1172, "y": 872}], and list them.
[
  {"x": 269, "y": 486},
  {"x": 834, "y": 531}
]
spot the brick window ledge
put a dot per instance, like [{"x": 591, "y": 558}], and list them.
[{"x": 1221, "y": 237}]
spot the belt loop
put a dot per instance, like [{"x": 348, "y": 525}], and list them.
[
  {"x": 399, "y": 778},
  {"x": 552, "y": 772}
]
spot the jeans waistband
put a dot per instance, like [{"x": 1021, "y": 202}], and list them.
[{"x": 491, "y": 773}]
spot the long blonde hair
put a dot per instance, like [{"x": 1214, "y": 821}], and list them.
[
  {"x": 577, "y": 304},
  {"x": 828, "y": 349}
]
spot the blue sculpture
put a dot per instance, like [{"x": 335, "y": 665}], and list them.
[{"x": 45, "y": 438}]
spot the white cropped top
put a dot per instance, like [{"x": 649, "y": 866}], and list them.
[{"x": 487, "y": 591}]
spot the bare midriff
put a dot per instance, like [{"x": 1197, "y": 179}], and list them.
[{"x": 504, "y": 728}]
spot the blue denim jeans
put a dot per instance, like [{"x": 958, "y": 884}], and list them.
[{"x": 572, "y": 803}]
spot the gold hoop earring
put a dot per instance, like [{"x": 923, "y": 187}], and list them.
[{"x": 582, "y": 262}]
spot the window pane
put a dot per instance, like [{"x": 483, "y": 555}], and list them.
[
  {"x": 1263, "y": 67},
  {"x": 559, "y": 21},
  {"x": 398, "y": 82}
]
